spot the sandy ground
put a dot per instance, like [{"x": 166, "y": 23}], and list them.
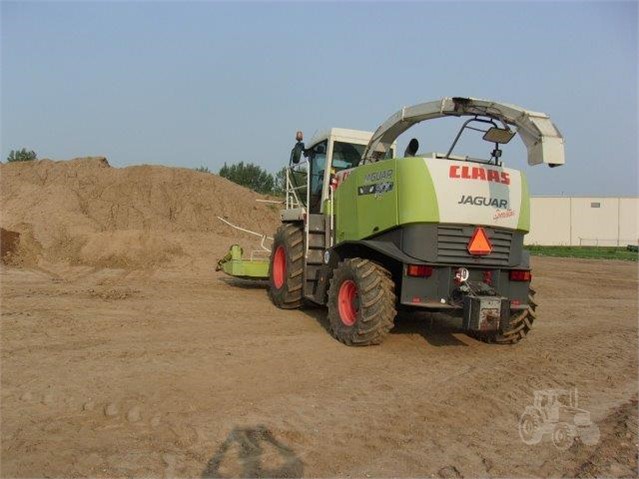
[{"x": 111, "y": 373}]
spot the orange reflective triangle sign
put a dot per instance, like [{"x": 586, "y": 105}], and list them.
[{"x": 479, "y": 244}]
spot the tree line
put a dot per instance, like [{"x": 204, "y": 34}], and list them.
[{"x": 252, "y": 176}]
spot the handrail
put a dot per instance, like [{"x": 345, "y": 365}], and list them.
[{"x": 239, "y": 228}]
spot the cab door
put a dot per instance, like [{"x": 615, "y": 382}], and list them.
[{"x": 317, "y": 169}]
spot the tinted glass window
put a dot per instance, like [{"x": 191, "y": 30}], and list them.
[{"x": 346, "y": 155}]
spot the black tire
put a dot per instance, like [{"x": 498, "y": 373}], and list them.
[
  {"x": 519, "y": 326},
  {"x": 285, "y": 288},
  {"x": 372, "y": 308}
]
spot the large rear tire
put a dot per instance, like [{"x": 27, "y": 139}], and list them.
[
  {"x": 361, "y": 302},
  {"x": 519, "y": 326},
  {"x": 287, "y": 267}
]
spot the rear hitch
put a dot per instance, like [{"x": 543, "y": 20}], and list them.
[
  {"x": 483, "y": 308},
  {"x": 485, "y": 313}
]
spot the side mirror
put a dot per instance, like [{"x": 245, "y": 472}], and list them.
[
  {"x": 298, "y": 149},
  {"x": 296, "y": 153}
]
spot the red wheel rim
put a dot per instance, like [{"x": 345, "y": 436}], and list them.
[
  {"x": 347, "y": 302},
  {"x": 279, "y": 267}
]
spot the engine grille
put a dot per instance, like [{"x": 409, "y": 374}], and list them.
[{"x": 452, "y": 243}]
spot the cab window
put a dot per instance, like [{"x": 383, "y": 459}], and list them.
[{"x": 346, "y": 155}]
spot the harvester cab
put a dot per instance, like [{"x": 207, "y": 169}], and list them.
[
  {"x": 312, "y": 169},
  {"x": 366, "y": 233}
]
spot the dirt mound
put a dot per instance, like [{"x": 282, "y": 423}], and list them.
[
  {"x": 9, "y": 241},
  {"x": 84, "y": 212}
]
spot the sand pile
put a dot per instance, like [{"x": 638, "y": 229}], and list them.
[{"x": 84, "y": 212}]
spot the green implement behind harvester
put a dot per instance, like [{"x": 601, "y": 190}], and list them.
[
  {"x": 234, "y": 264},
  {"x": 365, "y": 232}
]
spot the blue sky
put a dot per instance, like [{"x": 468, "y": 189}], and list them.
[{"x": 189, "y": 84}]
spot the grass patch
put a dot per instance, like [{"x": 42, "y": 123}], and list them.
[{"x": 588, "y": 252}]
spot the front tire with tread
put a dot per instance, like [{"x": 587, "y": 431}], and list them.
[{"x": 288, "y": 295}]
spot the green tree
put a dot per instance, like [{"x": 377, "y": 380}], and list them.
[
  {"x": 21, "y": 155},
  {"x": 252, "y": 176},
  {"x": 279, "y": 186},
  {"x": 203, "y": 169}
]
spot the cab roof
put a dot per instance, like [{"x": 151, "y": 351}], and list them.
[{"x": 341, "y": 134}]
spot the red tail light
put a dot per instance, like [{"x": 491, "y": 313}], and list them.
[
  {"x": 419, "y": 270},
  {"x": 520, "y": 275}
]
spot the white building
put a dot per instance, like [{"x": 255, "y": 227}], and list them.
[{"x": 583, "y": 221}]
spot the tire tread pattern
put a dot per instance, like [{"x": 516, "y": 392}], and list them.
[
  {"x": 377, "y": 301},
  {"x": 520, "y": 325},
  {"x": 291, "y": 236}
]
